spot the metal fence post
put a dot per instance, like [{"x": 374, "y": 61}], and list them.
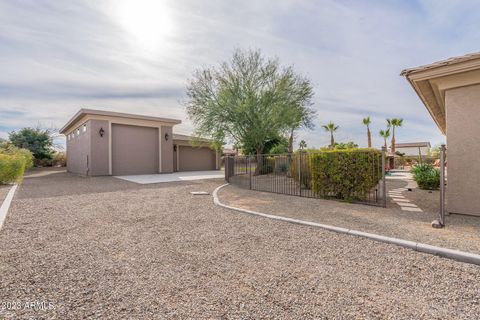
[
  {"x": 384, "y": 183},
  {"x": 300, "y": 172},
  {"x": 250, "y": 171},
  {"x": 226, "y": 167},
  {"x": 442, "y": 185}
]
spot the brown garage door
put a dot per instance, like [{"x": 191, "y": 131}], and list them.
[
  {"x": 134, "y": 150},
  {"x": 191, "y": 159}
]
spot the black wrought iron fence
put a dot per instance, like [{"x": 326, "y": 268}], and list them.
[{"x": 349, "y": 175}]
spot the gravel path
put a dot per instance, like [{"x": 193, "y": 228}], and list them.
[
  {"x": 103, "y": 248},
  {"x": 462, "y": 232}
]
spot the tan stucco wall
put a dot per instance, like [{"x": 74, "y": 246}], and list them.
[
  {"x": 463, "y": 152},
  {"x": 167, "y": 149},
  {"x": 99, "y": 154},
  {"x": 78, "y": 150}
]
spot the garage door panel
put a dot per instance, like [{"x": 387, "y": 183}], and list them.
[
  {"x": 134, "y": 150},
  {"x": 192, "y": 159}
]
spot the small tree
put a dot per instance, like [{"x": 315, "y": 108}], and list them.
[
  {"x": 366, "y": 122},
  {"x": 38, "y": 141},
  {"x": 331, "y": 127}
]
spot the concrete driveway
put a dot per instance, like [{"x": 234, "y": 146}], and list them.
[{"x": 172, "y": 177}]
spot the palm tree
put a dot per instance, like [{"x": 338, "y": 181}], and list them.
[
  {"x": 385, "y": 134},
  {"x": 302, "y": 145},
  {"x": 331, "y": 127},
  {"x": 393, "y": 123},
  {"x": 367, "y": 121}
]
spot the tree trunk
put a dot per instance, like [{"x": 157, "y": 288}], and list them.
[
  {"x": 393, "y": 140},
  {"x": 332, "y": 141},
  {"x": 258, "y": 168},
  {"x": 290, "y": 142},
  {"x": 369, "y": 137},
  {"x": 385, "y": 144}
]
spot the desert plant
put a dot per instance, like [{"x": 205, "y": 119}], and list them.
[
  {"x": 59, "y": 159},
  {"x": 13, "y": 163},
  {"x": 426, "y": 176}
]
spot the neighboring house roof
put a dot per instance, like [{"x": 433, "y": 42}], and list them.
[
  {"x": 432, "y": 80},
  {"x": 412, "y": 144},
  {"x": 230, "y": 151},
  {"x": 184, "y": 137},
  {"x": 84, "y": 112}
]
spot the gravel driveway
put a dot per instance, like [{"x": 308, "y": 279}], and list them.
[{"x": 102, "y": 248}]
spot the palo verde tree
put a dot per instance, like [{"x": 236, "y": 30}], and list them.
[{"x": 249, "y": 100}]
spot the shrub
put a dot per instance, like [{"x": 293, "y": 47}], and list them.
[
  {"x": 13, "y": 163},
  {"x": 45, "y": 162},
  {"x": 59, "y": 159},
  {"x": 38, "y": 141},
  {"x": 426, "y": 176},
  {"x": 348, "y": 174}
]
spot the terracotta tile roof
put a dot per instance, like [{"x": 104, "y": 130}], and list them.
[{"x": 449, "y": 61}]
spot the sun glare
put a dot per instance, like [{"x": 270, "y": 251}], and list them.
[{"x": 148, "y": 22}]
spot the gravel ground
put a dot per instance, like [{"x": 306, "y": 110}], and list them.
[
  {"x": 102, "y": 248},
  {"x": 461, "y": 232}
]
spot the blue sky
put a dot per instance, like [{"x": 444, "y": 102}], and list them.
[{"x": 135, "y": 56}]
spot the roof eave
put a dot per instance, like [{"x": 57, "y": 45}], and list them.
[{"x": 84, "y": 112}]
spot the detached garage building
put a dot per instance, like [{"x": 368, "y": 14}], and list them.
[{"x": 112, "y": 143}]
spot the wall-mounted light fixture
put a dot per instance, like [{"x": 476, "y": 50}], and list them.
[
  {"x": 167, "y": 136},
  {"x": 101, "y": 132}
]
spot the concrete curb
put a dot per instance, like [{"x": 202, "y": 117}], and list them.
[
  {"x": 417, "y": 246},
  {"x": 6, "y": 204}
]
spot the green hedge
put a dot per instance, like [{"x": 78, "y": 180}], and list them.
[
  {"x": 426, "y": 176},
  {"x": 348, "y": 174},
  {"x": 13, "y": 163}
]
